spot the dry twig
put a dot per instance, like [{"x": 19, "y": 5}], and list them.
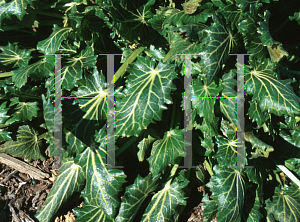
[{"x": 22, "y": 167}]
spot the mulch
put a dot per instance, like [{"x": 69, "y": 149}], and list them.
[{"x": 21, "y": 196}]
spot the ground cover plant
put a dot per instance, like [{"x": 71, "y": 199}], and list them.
[{"x": 150, "y": 105}]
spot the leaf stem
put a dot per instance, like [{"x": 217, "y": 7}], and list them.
[
  {"x": 169, "y": 55},
  {"x": 174, "y": 169},
  {"x": 51, "y": 14},
  {"x": 207, "y": 166},
  {"x": 3, "y": 125},
  {"x": 280, "y": 26},
  {"x": 42, "y": 136},
  {"x": 5, "y": 74},
  {"x": 128, "y": 61}
]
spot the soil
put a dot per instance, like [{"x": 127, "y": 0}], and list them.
[{"x": 21, "y": 196}]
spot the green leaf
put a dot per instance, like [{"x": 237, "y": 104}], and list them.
[
  {"x": 285, "y": 204},
  {"x": 147, "y": 89},
  {"x": 67, "y": 48},
  {"x": 99, "y": 191},
  {"x": 70, "y": 179},
  {"x": 256, "y": 114},
  {"x": 24, "y": 111},
  {"x": 166, "y": 150},
  {"x": 232, "y": 14},
  {"x": 11, "y": 54},
  {"x": 291, "y": 126},
  {"x": 131, "y": 21},
  {"x": 92, "y": 96},
  {"x": 228, "y": 129},
  {"x": 200, "y": 174},
  {"x": 27, "y": 145},
  {"x": 75, "y": 145},
  {"x": 258, "y": 173},
  {"x": 262, "y": 149},
  {"x": 226, "y": 153},
  {"x": 272, "y": 94},
  {"x": 208, "y": 144},
  {"x": 72, "y": 117},
  {"x": 3, "y": 113},
  {"x": 209, "y": 128},
  {"x": 205, "y": 106},
  {"x": 293, "y": 138},
  {"x": 217, "y": 46},
  {"x": 52, "y": 44},
  {"x": 135, "y": 195},
  {"x": 181, "y": 46},
  {"x": 48, "y": 111},
  {"x": 143, "y": 147},
  {"x": 180, "y": 17},
  {"x": 252, "y": 211},
  {"x": 248, "y": 28},
  {"x": 228, "y": 106},
  {"x": 14, "y": 7},
  {"x": 275, "y": 49},
  {"x": 295, "y": 17},
  {"x": 42, "y": 68},
  {"x": 165, "y": 202},
  {"x": 4, "y": 135},
  {"x": 228, "y": 190},
  {"x": 25, "y": 93},
  {"x": 90, "y": 213},
  {"x": 72, "y": 69},
  {"x": 291, "y": 123},
  {"x": 210, "y": 208}
]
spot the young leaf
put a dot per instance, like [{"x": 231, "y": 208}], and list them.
[
  {"x": 217, "y": 46},
  {"x": 73, "y": 67},
  {"x": 14, "y": 7},
  {"x": 52, "y": 44},
  {"x": 134, "y": 197},
  {"x": 143, "y": 147},
  {"x": 272, "y": 94},
  {"x": 94, "y": 88},
  {"x": 164, "y": 203},
  {"x": 227, "y": 186},
  {"x": 285, "y": 204},
  {"x": 70, "y": 179},
  {"x": 166, "y": 151},
  {"x": 228, "y": 105},
  {"x": 48, "y": 111},
  {"x": 226, "y": 153},
  {"x": 101, "y": 192},
  {"x": 11, "y": 54},
  {"x": 147, "y": 90},
  {"x": 43, "y": 68},
  {"x": 90, "y": 213},
  {"x": 27, "y": 145},
  {"x": 24, "y": 111},
  {"x": 205, "y": 106}
]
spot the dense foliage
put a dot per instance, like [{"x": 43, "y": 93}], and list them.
[{"x": 149, "y": 104}]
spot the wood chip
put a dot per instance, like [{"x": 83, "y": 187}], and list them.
[{"x": 22, "y": 167}]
